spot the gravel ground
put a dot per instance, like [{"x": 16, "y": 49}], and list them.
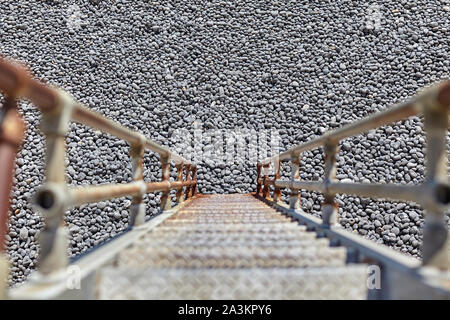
[{"x": 297, "y": 67}]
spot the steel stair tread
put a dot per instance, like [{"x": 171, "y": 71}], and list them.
[
  {"x": 232, "y": 247},
  {"x": 278, "y": 283},
  {"x": 233, "y": 257}
]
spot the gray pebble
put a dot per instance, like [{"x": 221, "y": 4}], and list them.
[{"x": 23, "y": 233}]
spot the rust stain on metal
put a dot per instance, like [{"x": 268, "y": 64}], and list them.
[
  {"x": 180, "y": 195},
  {"x": 188, "y": 178},
  {"x": 194, "y": 180},
  {"x": 266, "y": 189},
  {"x": 444, "y": 94},
  {"x": 258, "y": 178},
  {"x": 12, "y": 129}
]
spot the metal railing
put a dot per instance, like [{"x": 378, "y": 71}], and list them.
[
  {"x": 433, "y": 194},
  {"x": 55, "y": 197},
  {"x": 11, "y": 136}
]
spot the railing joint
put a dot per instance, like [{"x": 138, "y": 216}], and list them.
[
  {"x": 166, "y": 203},
  {"x": 180, "y": 193},
  {"x": 294, "y": 199}
]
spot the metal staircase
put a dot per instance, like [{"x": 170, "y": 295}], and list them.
[{"x": 231, "y": 247}]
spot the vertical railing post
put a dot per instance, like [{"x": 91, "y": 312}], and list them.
[
  {"x": 180, "y": 193},
  {"x": 329, "y": 206},
  {"x": 137, "y": 209},
  {"x": 435, "y": 250},
  {"x": 4, "y": 272},
  {"x": 277, "y": 190},
  {"x": 258, "y": 177},
  {"x": 266, "y": 190},
  {"x": 166, "y": 203},
  {"x": 11, "y": 135},
  {"x": 194, "y": 178},
  {"x": 188, "y": 178},
  {"x": 53, "y": 238},
  {"x": 294, "y": 199}
]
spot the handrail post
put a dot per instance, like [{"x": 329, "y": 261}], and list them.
[
  {"x": 194, "y": 178},
  {"x": 266, "y": 190},
  {"x": 137, "y": 208},
  {"x": 180, "y": 193},
  {"x": 294, "y": 199},
  {"x": 258, "y": 176},
  {"x": 188, "y": 178},
  {"x": 329, "y": 206},
  {"x": 53, "y": 238},
  {"x": 166, "y": 203},
  {"x": 277, "y": 190},
  {"x": 4, "y": 272},
  {"x": 12, "y": 129},
  {"x": 435, "y": 251}
]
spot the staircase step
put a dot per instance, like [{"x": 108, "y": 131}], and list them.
[
  {"x": 221, "y": 240},
  {"x": 224, "y": 220},
  {"x": 255, "y": 228},
  {"x": 232, "y": 257},
  {"x": 278, "y": 283},
  {"x": 217, "y": 215},
  {"x": 219, "y": 243},
  {"x": 161, "y": 239}
]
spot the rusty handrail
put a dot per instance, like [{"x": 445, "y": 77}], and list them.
[
  {"x": 11, "y": 135},
  {"x": 54, "y": 197},
  {"x": 16, "y": 80},
  {"x": 12, "y": 129},
  {"x": 433, "y": 194},
  {"x": 415, "y": 106}
]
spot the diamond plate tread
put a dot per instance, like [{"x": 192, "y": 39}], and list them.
[
  {"x": 219, "y": 211},
  {"x": 265, "y": 284},
  {"x": 182, "y": 222},
  {"x": 208, "y": 215},
  {"x": 227, "y": 227},
  {"x": 232, "y": 257},
  {"x": 251, "y": 235},
  {"x": 230, "y": 241},
  {"x": 231, "y": 247}
]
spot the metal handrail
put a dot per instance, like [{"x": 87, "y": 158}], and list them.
[
  {"x": 54, "y": 197},
  {"x": 16, "y": 81},
  {"x": 12, "y": 129},
  {"x": 415, "y": 106},
  {"x": 433, "y": 194}
]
